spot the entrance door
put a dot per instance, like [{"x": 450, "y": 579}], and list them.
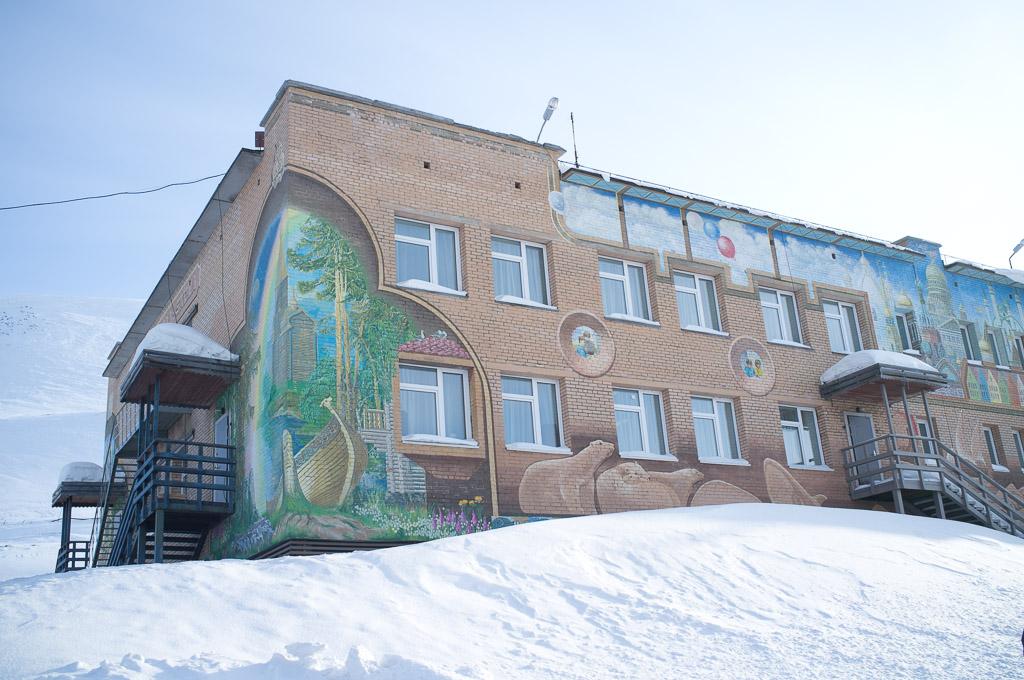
[
  {"x": 221, "y": 437},
  {"x": 861, "y": 431}
]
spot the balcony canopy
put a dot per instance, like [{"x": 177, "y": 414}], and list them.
[
  {"x": 192, "y": 369},
  {"x": 860, "y": 373}
]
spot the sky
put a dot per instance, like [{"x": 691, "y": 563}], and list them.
[{"x": 886, "y": 119}]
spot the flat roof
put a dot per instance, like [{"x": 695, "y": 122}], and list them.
[{"x": 416, "y": 113}]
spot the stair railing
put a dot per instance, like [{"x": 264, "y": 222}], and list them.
[{"x": 929, "y": 457}]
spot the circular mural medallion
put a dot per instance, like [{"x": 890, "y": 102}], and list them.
[
  {"x": 586, "y": 344},
  {"x": 752, "y": 366}
]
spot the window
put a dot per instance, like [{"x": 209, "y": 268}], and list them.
[
  {"x": 843, "y": 330},
  {"x": 1018, "y": 442},
  {"x": 990, "y": 444},
  {"x": 698, "y": 303},
  {"x": 640, "y": 424},
  {"x": 221, "y": 438},
  {"x": 781, "y": 322},
  {"x": 715, "y": 426},
  {"x": 995, "y": 345},
  {"x": 907, "y": 327},
  {"x": 970, "y": 340},
  {"x": 428, "y": 256},
  {"x": 532, "y": 414},
  {"x": 924, "y": 429},
  {"x": 1018, "y": 346},
  {"x": 520, "y": 271},
  {"x": 435, "y": 405},
  {"x": 624, "y": 290},
  {"x": 800, "y": 435}
]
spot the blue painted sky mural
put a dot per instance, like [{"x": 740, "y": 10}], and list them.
[{"x": 913, "y": 282}]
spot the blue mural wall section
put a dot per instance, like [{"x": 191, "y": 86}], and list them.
[{"x": 912, "y": 280}]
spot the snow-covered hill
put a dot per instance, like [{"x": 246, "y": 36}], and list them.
[
  {"x": 52, "y": 401},
  {"x": 738, "y": 591}
]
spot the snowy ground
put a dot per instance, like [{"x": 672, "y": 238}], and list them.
[
  {"x": 52, "y": 400},
  {"x": 736, "y": 591}
]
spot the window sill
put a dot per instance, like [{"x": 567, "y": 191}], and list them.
[
  {"x": 640, "y": 455},
  {"x": 912, "y": 352},
  {"x": 434, "y": 440},
  {"x": 538, "y": 448},
  {"x": 820, "y": 468},
  {"x": 417, "y": 284},
  {"x": 787, "y": 343},
  {"x": 1000, "y": 468},
  {"x": 632, "y": 319},
  {"x": 974, "y": 362},
  {"x": 723, "y": 461},
  {"x": 1003, "y": 368},
  {"x": 707, "y": 331},
  {"x": 523, "y": 302}
]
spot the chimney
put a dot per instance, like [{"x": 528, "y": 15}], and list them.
[{"x": 259, "y": 139}]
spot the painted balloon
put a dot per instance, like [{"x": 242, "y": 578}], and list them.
[
  {"x": 726, "y": 246},
  {"x": 711, "y": 230}
]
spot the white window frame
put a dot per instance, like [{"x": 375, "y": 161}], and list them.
[
  {"x": 431, "y": 244},
  {"x": 524, "y": 273},
  {"x": 698, "y": 293},
  {"x": 719, "y": 433},
  {"x": 630, "y": 314},
  {"x": 645, "y": 440},
  {"x": 784, "y": 324},
  {"x": 929, "y": 446},
  {"x": 968, "y": 337},
  {"x": 1018, "y": 344},
  {"x": 439, "y": 413},
  {"x": 993, "y": 450},
  {"x": 1018, "y": 441},
  {"x": 534, "y": 401},
  {"x": 909, "y": 331},
  {"x": 847, "y": 333},
  {"x": 993, "y": 338},
  {"x": 805, "y": 438}
]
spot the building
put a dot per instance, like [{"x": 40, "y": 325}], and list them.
[{"x": 441, "y": 329}]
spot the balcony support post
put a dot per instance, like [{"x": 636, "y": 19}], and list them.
[
  {"x": 906, "y": 413},
  {"x": 65, "y": 523},
  {"x": 158, "y": 537},
  {"x": 140, "y": 544},
  {"x": 940, "y": 507}
]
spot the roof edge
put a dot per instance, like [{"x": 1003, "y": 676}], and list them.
[{"x": 377, "y": 103}]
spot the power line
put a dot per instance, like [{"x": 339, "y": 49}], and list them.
[{"x": 116, "y": 193}]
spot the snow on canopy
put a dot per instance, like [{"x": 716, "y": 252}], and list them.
[
  {"x": 81, "y": 472},
  {"x": 734, "y": 591},
  {"x": 858, "y": 361},
  {"x": 179, "y": 339}
]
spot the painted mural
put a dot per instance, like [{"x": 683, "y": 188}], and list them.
[
  {"x": 935, "y": 300},
  {"x": 744, "y": 248},
  {"x": 596, "y": 480},
  {"x": 317, "y": 445}
]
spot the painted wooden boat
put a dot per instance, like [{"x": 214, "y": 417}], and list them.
[{"x": 329, "y": 466}]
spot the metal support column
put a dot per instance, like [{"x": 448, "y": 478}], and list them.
[
  {"x": 65, "y": 523},
  {"x": 906, "y": 412},
  {"x": 140, "y": 545},
  {"x": 940, "y": 507},
  {"x": 158, "y": 537}
]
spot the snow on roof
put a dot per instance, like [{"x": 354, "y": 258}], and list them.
[
  {"x": 858, "y": 361},
  {"x": 81, "y": 472},
  {"x": 178, "y": 339}
]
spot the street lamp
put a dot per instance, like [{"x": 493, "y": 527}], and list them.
[
  {"x": 1016, "y": 248},
  {"x": 552, "y": 105}
]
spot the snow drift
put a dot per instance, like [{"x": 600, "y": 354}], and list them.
[{"x": 730, "y": 591}]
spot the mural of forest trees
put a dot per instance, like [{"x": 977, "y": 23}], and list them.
[{"x": 313, "y": 419}]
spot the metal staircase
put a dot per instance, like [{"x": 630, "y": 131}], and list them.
[{"x": 925, "y": 477}]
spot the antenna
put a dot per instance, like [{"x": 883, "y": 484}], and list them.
[
  {"x": 552, "y": 105},
  {"x": 576, "y": 155}
]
